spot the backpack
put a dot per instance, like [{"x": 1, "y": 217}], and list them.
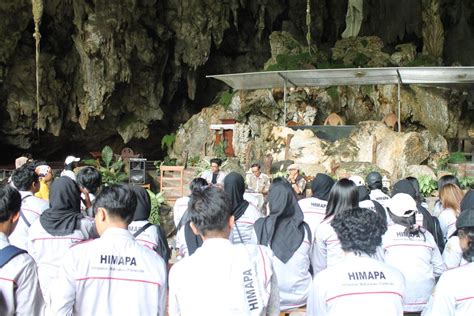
[
  {"x": 432, "y": 225},
  {"x": 163, "y": 247},
  {"x": 8, "y": 253}
]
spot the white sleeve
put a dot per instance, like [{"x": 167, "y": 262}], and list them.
[
  {"x": 442, "y": 302},
  {"x": 273, "y": 308},
  {"x": 63, "y": 292},
  {"x": 173, "y": 305},
  {"x": 436, "y": 259},
  {"x": 28, "y": 297},
  {"x": 316, "y": 304},
  {"x": 318, "y": 253},
  {"x": 162, "y": 295},
  {"x": 452, "y": 253}
]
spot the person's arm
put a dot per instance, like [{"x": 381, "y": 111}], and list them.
[
  {"x": 319, "y": 252},
  {"x": 63, "y": 293},
  {"x": 452, "y": 254},
  {"x": 28, "y": 297},
  {"x": 316, "y": 304},
  {"x": 436, "y": 259},
  {"x": 442, "y": 301},
  {"x": 273, "y": 308},
  {"x": 173, "y": 305},
  {"x": 266, "y": 185},
  {"x": 162, "y": 293}
]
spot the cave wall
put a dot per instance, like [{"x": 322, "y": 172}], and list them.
[{"x": 130, "y": 71}]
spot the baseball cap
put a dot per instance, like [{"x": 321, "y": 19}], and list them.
[
  {"x": 373, "y": 178},
  {"x": 71, "y": 159},
  {"x": 357, "y": 180},
  {"x": 402, "y": 205},
  {"x": 293, "y": 166},
  {"x": 20, "y": 161},
  {"x": 465, "y": 219},
  {"x": 42, "y": 170}
]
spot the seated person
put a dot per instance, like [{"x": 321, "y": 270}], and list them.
[
  {"x": 298, "y": 183},
  {"x": 257, "y": 181},
  {"x": 360, "y": 284},
  {"x": 214, "y": 176},
  {"x": 221, "y": 278}
]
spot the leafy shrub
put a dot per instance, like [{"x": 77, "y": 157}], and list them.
[
  {"x": 157, "y": 200},
  {"x": 427, "y": 185},
  {"x": 456, "y": 157},
  {"x": 110, "y": 170},
  {"x": 466, "y": 182},
  {"x": 167, "y": 141},
  {"x": 225, "y": 99}
]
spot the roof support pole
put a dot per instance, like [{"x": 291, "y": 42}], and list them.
[
  {"x": 399, "y": 101},
  {"x": 285, "y": 97}
]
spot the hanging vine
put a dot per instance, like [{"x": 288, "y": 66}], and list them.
[
  {"x": 308, "y": 24},
  {"x": 37, "y": 8}
]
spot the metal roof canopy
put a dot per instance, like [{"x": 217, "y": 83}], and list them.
[{"x": 435, "y": 76}]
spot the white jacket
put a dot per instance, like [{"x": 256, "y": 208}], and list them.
[
  {"x": 148, "y": 238},
  {"x": 48, "y": 250},
  {"x": 326, "y": 250},
  {"x": 244, "y": 226},
  {"x": 208, "y": 176},
  {"x": 314, "y": 211},
  {"x": 111, "y": 275},
  {"x": 31, "y": 208},
  {"x": 418, "y": 259},
  {"x": 454, "y": 293},
  {"x": 452, "y": 254},
  {"x": 20, "y": 293},
  {"x": 224, "y": 279},
  {"x": 179, "y": 208},
  {"x": 447, "y": 222},
  {"x": 379, "y": 196},
  {"x": 359, "y": 285}
]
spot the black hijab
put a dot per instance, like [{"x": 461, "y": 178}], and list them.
[
  {"x": 404, "y": 186},
  {"x": 467, "y": 201},
  {"x": 283, "y": 229},
  {"x": 234, "y": 187},
  {"x": 142, "y": 211},
  {"x": 64, "y": 213},
  {"x": 321, "y": 186},
  {"x": 363, "y": 193}
]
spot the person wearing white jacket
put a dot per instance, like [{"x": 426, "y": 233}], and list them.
[
  {"x": 454, "y": 293},
  {"x": 413, "y": 251},
  {"x": 221, "y": 278},
  {"x": 114, "y": 274},
  {"x": 27, "y": 182},
  {"x": 359, "y": 284},
  {"x": 20, "y": 293}
]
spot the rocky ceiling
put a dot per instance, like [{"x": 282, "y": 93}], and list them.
[{"x": 130, "y": 71}]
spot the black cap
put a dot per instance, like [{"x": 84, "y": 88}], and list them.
[{"x": 373, "y": 178}]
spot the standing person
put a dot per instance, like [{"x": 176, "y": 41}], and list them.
[
  {"x": 360, "y": 284},
  {"x": 114, "y": 274},
  {"x": 20, "y": 293},
  {"x": 145, "y": 233},
  {"x": 258, "y": 181},
  {"x": 59, "y": 227},
  {"x": 412, "y": 250},
  {"x": 314, "y": 207},
  {"x": 215, "y": 176},
  {"x": 27, "y": 182},
  {"x": 327, "y": 248},
  {"x": 89, "y": 180},
  {"x": 221, "y": 278},
  {"x": 375, "y": 184},
  {"x": 181, "y": 220},
  {"x": 45, "y": 175},
  {"x": 245, "y": 214},
  {"x": 366, "y": 202},
  {"x": 70, "y": 163},
  {"x": 450, "y": 197},
  {"x": 454, "y": 293},
  {"x": 298, "y": 183},
  {"x": 285, "y": 232}
]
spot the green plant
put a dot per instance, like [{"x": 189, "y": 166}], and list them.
[
  {"x": 280, "y": 173},
  {"x": 111, "y": 171},
  {"x": 466, "y": 182},
  {"x": 167, "y": 141},
  {"x": 427, "y": 185},
  {"x": 194, "y": 160},
  {"x": 225, "y": 98},
  {"x": 166, "y": 162},
  {"x": 293, "y": 62},
  {"x": 157, "y": 200},
  {"x": 219, "y": 149},
  {"x": 456, "y": 157}
]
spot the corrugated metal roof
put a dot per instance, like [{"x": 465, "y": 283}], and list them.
[{"x": 349, "y": 76}]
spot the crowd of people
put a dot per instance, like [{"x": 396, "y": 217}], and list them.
[{"x": 351, "y": 248}]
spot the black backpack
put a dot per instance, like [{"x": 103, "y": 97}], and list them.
[{"x": 163, "y": 247}]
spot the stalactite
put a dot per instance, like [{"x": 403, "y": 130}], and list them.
[
  {"x": 308, "y": 24},
  {"x": 37, "y": 8},
  {"x": 433, "y": 31}
]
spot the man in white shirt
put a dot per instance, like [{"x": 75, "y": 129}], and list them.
[
  {"x": 20, "y": 292},
  {"x": 454, "y": 293},
  {"x": 221, "y": 278},
  {"x": 214, "y": 176},
  {"x": 27, "y": 182},
  {"x": 111, "y": 275},
  {"x": 360, "y": 284},
  {"x": 257, "y": 181}
]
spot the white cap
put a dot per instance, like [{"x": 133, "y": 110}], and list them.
[
  {"x": 293, "y": 166},
  {"x": 402, "y": 205},
  {"x": 71, "y": 159},
  {"x": 357, "y": 180}
]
